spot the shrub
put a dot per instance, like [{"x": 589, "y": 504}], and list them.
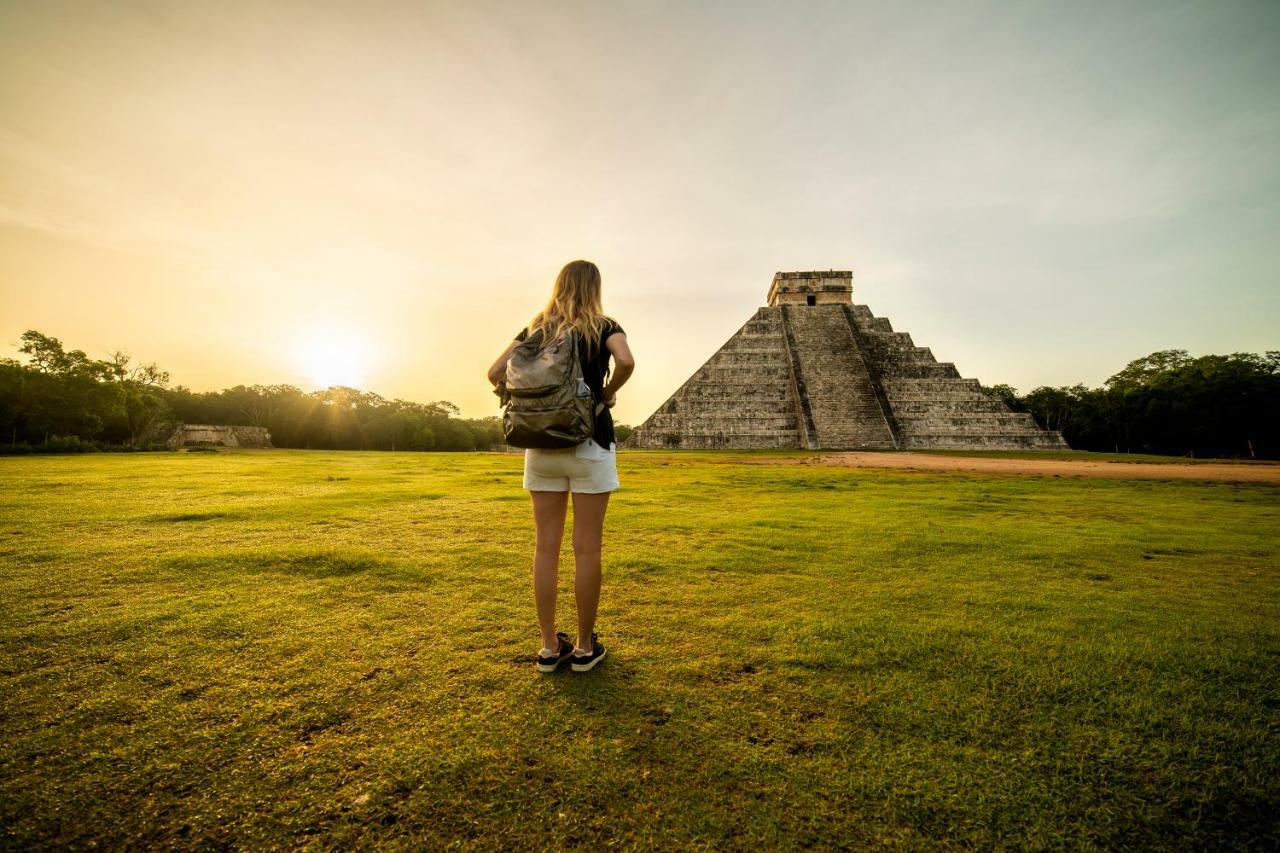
[{"x": 68, "y": 444}]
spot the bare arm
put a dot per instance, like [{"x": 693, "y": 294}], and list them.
[
  {"x": 624, "y": 364},
  {"x": 498, "y": 371}
]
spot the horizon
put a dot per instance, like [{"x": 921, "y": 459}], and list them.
[
  {"x": 313, "y": 388},
  {"x": 297, "y": 194}
]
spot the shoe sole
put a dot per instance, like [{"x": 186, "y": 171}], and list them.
[
  {"x": 586, "y": 667},
  {"x": 551, "y": 667}
]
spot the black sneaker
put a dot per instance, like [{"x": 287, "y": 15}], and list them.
[
  {"x": 582, "y": 663},
  {"x": 549, "y": 664}
]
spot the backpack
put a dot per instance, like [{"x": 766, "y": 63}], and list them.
[{"x": 546, "y": 402}]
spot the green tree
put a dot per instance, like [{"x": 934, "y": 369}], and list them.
[
  {"x": 138, "y": 403},
  {"x": 14, "y": 402},
  {"x": 1141, "y": 371},
  {"x": 423, "y": 438}
]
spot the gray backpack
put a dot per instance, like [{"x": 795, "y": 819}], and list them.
[{"x": 546, "y": 402}]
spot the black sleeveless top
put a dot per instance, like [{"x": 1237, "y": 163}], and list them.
[{"x": 595, "y": 364}]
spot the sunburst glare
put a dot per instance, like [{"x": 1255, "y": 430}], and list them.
[{"x": 330, "y": 358}]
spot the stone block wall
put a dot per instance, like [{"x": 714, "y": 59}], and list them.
[
  {"x": 933, "y": 406},
  {"x": 742, "y": 397},
  {"x": 186, "y": 435}
]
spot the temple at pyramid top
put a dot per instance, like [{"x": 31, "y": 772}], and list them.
[
  {"x": 812, "y": 288},
  {"x": 813, "y": 370}
]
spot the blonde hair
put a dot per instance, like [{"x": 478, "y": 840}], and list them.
[{"x": 575, "y": 303}]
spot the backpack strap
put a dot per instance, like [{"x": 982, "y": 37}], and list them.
[{"x": 582, "y": 363}]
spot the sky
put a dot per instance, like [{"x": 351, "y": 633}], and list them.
[{"x": 381, "y": 193}]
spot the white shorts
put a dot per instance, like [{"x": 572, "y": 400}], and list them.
[{"x": 586, "y": 468}]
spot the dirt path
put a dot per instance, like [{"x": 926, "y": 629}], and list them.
[{"x": 1257, "y": 472}]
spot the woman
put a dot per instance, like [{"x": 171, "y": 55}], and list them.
[{"x": 589, "y": 471}]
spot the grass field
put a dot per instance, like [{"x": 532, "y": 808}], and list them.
[{"x": 335, "y": 649}]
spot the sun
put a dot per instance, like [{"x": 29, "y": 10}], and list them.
[{"x": 334, "y": 358}]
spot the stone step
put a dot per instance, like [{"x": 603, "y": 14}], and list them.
[
  {"x": 727, "y": 422},
  {"x": 920, "y": 354},
  {"x": 748, "y": 360},
  {"x": 735, "y": 390},
  {"x": 689, "y": 440},
  {"x": 923, "y": 387},
  {"x": 969, "y": 432},
  {"x": 907, "y": 358},
  {"x": 1041, "y": 440},
  {"x": 934, "y": 406},
  {"x": 771, "y": 338},
  {"x": 762, "y": 374},
  {"x": 854, "y": 443},
  {"x": 998, "y": 421},
  {"x": 750, "y": 334},
  {"x": 783, "y": 405},
  {"x": 860, "y": 415},
  {"x": 907, "y": 369},
  {"x": 941, "y": 397},
  {"x": 753, "y": 349}
]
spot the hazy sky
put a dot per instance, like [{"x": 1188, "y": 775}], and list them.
[{"x": 1041, "y": 193}]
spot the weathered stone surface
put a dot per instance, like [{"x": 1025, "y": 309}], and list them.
[
  {"x": 813, "y": 370},
  {"x": 186, "y": 435},
  {"x": 743, "y": 396}
]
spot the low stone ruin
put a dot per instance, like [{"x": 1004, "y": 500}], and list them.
[{"x": 207, "y": 435}]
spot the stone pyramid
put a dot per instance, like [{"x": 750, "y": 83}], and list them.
[{"x": 812, "y": 370}]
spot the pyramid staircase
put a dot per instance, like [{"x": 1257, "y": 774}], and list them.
[{"x": 836, "y": 380}]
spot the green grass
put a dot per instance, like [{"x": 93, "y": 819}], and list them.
[{"x": 335, "y": 650}]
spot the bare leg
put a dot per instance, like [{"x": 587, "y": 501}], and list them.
[
  {"x": 588, "y": 531},
  {"x": 548, "y": 520}
]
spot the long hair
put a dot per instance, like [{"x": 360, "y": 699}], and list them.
[{"x": 575, "y": 302}]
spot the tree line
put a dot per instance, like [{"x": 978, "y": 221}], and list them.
[
  {"x": 62, "y": 400},
  {"x": 1168, "y": 403}
]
